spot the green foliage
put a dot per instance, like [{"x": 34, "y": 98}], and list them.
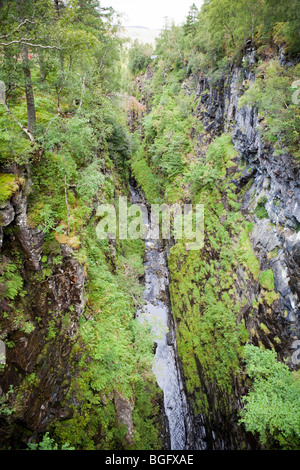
[
  {"x": 271, "y": 407},
  {"x": 202, "y": 290},
  {"x": 218, "y": 157},
  {"x": 267, "y": 281},
  {"x": 260, "y": 209},
  {"x": 168, "y": 47},
  {"x": 203, "y": 303},
  {"x": 64, "y": 83},
  {"x": 130, "y": 268},
  {"x": 285, "y": 22},
  {"x": 272, "y": 93},
  {"x": 167, "y": 129},
  {"x": 245, "y": 254},
  {"x": 215, "y": 37},
  {"x": 11, "y": 281},
  {"x": 191, "y": 20},
  {"x": 89, "y": 180},
  {"x": 139, "y": 56},
  {"x": 83, "y": 159},
  {"x": 144, "y": 175},
  {"x": 116, "y": 351},
  {"x": 45, "y": 218},
  {"x": 119, "y": 147},
  {"x": 47, "y": 443},
  {"x": 13, "y": 145},
  {"x": 75, "y": 136},
  {"x": 5, "y": 407}
]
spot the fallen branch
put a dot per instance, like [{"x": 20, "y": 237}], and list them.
[
  {"x": 27, "y": 43},
  {"x": 40, "y": 151},
  {"x": 27, "y": 132}
]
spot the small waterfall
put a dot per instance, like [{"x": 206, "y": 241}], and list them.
[{"x": 157, "y": 312}]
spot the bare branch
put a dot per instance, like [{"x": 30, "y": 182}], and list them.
[
  {"x": 17, "y": 29},
  {"x": 27, "y": 43},
  {"x": 27, "y": 132}
]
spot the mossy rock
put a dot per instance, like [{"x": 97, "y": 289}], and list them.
[
  {"x": 9, "y": 184},
  {"x": 266, "y": 280}
]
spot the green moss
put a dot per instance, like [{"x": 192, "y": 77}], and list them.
[
  {"x": 208, "y": 332},
  {"x": 273, "y": 253},
  {"x": 264, "y": 328},
  {"x": 266, "y": 280},
  {"x": 246, "y": 255},
  {"x": 271, "y": 296},
  {"x": 9, "y": 184}
]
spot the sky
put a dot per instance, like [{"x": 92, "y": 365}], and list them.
[{"x": 151, "y": 13}]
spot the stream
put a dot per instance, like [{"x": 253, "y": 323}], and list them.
[{"x": 157, "y": 312}]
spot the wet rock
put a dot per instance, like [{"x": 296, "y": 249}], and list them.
[
  {"x": 124, "y": 410},
  {"x": 7, "y": 214},
  {"x": 31, "y": 240},
  {"x": 67, "y": 284}
]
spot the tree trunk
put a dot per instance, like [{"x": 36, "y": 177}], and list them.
[
  {"x": 42, "y": 65},
  {"x": 31, "y": 116},
  {"x": 61, "y": 74},
  {"x": 56, "y": 6}
]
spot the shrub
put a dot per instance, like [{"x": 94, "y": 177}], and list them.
[
  {"x": 272, "y": 406},
  {"x": 260, "y": 209}
]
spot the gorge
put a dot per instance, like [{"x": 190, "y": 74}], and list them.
[{"x": 120, "y": 343}]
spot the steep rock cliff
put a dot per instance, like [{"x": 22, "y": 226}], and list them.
[
  {"x": 273, "y": 183},
  {"x": 274, "y": 178},
  {"x": 38, "y": 364}
]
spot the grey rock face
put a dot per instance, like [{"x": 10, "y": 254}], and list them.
[
  {"x": 276, "y": 179},
  {"x": 7, "y": 214},
  {"x": 31, "y": 240}
]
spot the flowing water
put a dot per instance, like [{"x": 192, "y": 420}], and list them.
[{"x": 157, "y": 312}]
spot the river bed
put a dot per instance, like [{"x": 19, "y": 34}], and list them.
[{"x": 156, "y": 311}]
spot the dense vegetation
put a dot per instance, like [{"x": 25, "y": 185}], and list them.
[
  {"x": 65, "y": 142},
  {"x": 177, "y": 160},
  {"x": 60, "y": 64}
]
